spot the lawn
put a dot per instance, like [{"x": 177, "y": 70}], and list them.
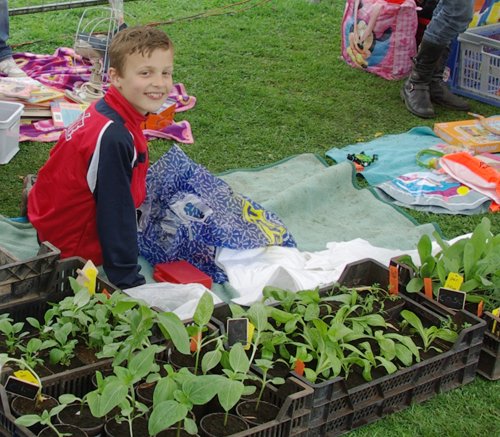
[{"x": 269, "y": 83}]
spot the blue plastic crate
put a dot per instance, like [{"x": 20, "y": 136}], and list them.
[{"x": 476, "y": 67}]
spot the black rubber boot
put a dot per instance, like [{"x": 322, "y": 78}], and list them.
[
  {"x": 440, "y": 93},
  {"x": 415, "y": 91}
]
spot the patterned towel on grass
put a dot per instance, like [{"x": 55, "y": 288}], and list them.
[{"x": 64, "y": 70}]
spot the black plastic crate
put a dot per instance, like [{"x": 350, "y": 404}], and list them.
[
  {"x": 57, "y": 288},
  {"x": 294, "y": 399},
  {"x": 22, "y": 279},
  {"x": 489, "y": 359}
]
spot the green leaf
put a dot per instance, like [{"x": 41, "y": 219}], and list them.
[
  {"x": 190, "y": 426},
  {"x": 56, "y": 356},
  {"x": 424, "y": 248},
  {"x": 164, "y": 390},
  {"x": 140, "y": 364},
  {"x": 201, "y": 389},
  {"x": 229, "y": 393},
  {"x": 112, "y": 395},
  {"x": 210, "y": 360},
  {"x": 415, "y": 285},
  {"x": 28, "y": 420},
  {"x": 172, "y": 325},
  {"x": 204, "y": 309},
  {"x": 238, "y": 359},
  {"x": 164, "y": 415},
  {"x": 257, "y": 314}
]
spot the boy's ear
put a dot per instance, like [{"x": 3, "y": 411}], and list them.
[{"x": 113, "y": 76}]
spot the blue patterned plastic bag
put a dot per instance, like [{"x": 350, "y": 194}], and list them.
[{"x": 189, "y": 213}]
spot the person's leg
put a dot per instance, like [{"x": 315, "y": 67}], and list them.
[
  {"x": 7, "y": 65},
  {"x": 5, "y": 51},
  {"x": 450, "y": 18}
]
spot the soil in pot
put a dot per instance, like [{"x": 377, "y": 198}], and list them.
[
  {"x": 115, "y": 429},
  {"x": 179, "y": 360},
  {"x": 85, "y": 354},
  {"x": 81, "y": 417},
  {"x": 144, "y": 392},
  {"x": 68, "y": 430},
  {"x": 212, "y": 425},
  {"x": 21, "y": 406},
  {"x": 255, "y": 413},
  {"x": 172, "y": 432}
]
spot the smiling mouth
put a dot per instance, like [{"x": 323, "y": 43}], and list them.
[{"x": 155, "y": 95}]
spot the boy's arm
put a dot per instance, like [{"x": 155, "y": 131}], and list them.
[{"x": 116, "y": 213}]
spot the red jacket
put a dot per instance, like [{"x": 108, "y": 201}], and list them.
[{"x": 85, "y": 197}]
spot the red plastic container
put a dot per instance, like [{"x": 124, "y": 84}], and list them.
[{"x": 180, "y": 272}]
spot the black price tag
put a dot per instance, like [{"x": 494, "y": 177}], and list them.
[
  {"x": 452, "y": 298},
  {"x": 237, "y": 331},
  {"x": 22, "y": 388}
]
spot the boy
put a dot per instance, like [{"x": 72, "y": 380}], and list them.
[{"x": 85, "y": 197}]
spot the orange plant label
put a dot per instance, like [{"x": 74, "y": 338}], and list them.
[
  {"x": 193, "y": 344},
  {"x": 480, "y": 308},
  {"x": 299, "y": 367},
  {"x": 428, "y": 287},
  {"x": 393, "y": 279}
]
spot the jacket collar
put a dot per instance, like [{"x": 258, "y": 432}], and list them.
[{"x": 130, "y": 115}]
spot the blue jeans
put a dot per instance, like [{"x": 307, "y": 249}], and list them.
[
  {"x": 5, "y": 50},
  {"x": 450, "y": 18}
]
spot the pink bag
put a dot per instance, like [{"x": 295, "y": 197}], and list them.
[{"x": 379, "y": 36}]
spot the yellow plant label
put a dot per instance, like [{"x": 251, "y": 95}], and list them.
[
  {"x": 496, "y": 313},
  {"x": 251, "y": 329},
  {"x": 453, "y": 281},
  {"x": 26, "y": 375},
  {"x": 87, "y": 276}
]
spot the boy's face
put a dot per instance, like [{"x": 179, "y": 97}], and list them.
[{"x": 146, "y": 81}]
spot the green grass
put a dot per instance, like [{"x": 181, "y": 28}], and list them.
[{"x": 270, "y": 83}]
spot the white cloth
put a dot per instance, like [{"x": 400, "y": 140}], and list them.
[{"x": 249, "y": 271}]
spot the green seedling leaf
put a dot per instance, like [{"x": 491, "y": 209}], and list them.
[
  {"x": 204, "y": 310},
  {"x": 257, "y": 314},
  {"x": 238, "y": 359},
  {"x": 172, "y": 328},
  {"x": 165, "y": 415},
  {"x": 424, "y": 248},
  {"x": 229, "y": 393},
  {"x": 201, "y": 389}
]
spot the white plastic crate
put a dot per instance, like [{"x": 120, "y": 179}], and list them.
[
  {"x": 10, "y": 119},
  {"x": 477, "y": 69}
]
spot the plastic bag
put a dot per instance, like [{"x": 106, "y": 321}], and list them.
[
  {"x": 189, "y": 213},
  {"x": 180, "y": 299},
  {"x": 379, "y": 36}
]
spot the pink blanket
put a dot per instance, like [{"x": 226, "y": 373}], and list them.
[{"x": 63, "y": 70}]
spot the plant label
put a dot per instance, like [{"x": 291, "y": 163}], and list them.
[
  {"x": 453, "y": 281},
  {"x": 399, "y": 273},
  {"x": 237, "y": 331},
  {"x": 452, "y": 298},
  {"x": 22, "y": 387}
]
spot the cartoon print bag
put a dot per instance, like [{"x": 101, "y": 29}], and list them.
[
  {"x": 379, "y": 36},
  {"x": 189, "y": 213}
]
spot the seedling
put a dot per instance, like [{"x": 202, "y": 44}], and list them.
[{"x": 430, "y": 334}]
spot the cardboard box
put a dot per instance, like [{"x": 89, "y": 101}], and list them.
[
  {"x": 471, "y": 134},
  {"x": 10, "y": 119}
]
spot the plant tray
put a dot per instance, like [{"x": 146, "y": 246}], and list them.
[
  {"x": 21, "y": 279},
  {"x": 293, "y": 397},
  {"x": 338, "y": 408},
  {"x": 489, "y": 359},
  {"x": 50, "y": 286}
]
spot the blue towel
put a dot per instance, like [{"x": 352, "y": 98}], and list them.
[{"x": 396, "y": 153}]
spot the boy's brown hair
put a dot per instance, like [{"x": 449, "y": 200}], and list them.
[{"x": 138, "y": 39}]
